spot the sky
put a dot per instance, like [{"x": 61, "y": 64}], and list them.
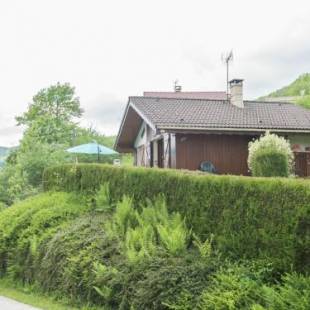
[{"x": 109, "y": 50}]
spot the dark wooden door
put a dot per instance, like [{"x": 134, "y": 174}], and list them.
[
  {"x": 302, "y": 164},
  {"x": 228, "y": 153},
  {"x": 160, "y": 154},
  {"x": 152, "y": 154}
]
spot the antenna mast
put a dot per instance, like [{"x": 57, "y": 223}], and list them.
[{"x": 227, "y": 58}]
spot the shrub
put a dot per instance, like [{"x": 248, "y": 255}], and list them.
[
  {"x": 102, "y": 199},
  {"x": 27, "y": 225},
  {"x": 2, "y": 206},
  {"x": 244, "y": 286},
  {"x": 159, "y": 282},
  {"x": 270, "y": 156},
  {"x": 292, "y": 293},
  {"x": 239, "y": 287},
  {"x": 252, "y": 217},
  {"x": 69, "y": 260},
  {"x": 58, "y": 244},
  {"x": 232, "y": 288},
  {"x": 269, "y": 163},
  {"x": 142, "y": 233}
]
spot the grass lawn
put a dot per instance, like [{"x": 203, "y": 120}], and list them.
[{"x": 29, "y": 296}]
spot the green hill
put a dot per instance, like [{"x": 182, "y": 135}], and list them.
[
  {"x": 4, "y": 151},
  {"x": 300, "y": 86},
  {"x": 297, "y": 92}
]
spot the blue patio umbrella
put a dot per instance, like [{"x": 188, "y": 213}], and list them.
[{"x": 92, "y": 148}]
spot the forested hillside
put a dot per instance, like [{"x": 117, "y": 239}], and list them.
[
  {"x": 296, "y": 88},
  {"x": 298, "y": 91},
  {"x": 4, "y": 152}
]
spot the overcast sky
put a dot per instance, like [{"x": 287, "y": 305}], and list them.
[{"x": 109, "y": 50}]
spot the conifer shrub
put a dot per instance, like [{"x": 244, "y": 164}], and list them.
[
  {"x": 70, "y": 259},
  {"x": 270, "y": 156},
  {"x": 244, "y": 286},
  {"x": 24, "y": 227},
  {"x": 258, "y": 217},
  {"x": 239, "y": 287}
]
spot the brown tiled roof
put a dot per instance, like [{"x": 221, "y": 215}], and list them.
[
  {"x": 211, "y": 95},
  {"x": 195, "y": 113}
]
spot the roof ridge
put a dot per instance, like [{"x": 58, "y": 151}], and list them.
[
  {"x": 204, "y": 99},
  {"x": 190, "y": 91},
  {"x": 175, "y": 98},
  {"x": 270, "y": 102}
]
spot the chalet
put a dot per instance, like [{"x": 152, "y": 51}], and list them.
[{"x": 181, "y": 130}]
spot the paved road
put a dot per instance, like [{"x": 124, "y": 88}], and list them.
[{"x": 10, "y": 304}]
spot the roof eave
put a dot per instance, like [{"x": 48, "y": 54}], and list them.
[
  {"x": 233, "y": 129},
  {"x": 121, "y": 126},
  {"x": 130, "y": 105},
  {"x": 151, "y": 124}
]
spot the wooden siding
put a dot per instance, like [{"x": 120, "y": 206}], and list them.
[
  {"x": 228, "y": 153},
  {"x": 302, "y": 164}
]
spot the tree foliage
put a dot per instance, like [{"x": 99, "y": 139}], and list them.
[
  {"x": 50, "y": 124},
  {"x": 304, "y": 101},
  {"x": 58, "y": 102}
]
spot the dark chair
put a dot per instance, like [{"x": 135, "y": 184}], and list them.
[{"x": 207, "y": 166}]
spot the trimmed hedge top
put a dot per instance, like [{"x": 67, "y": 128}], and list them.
[{"x": 250, "y": 217}]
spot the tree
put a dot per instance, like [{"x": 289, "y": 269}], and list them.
[
  {"x": 50, "y": 117},
  {"x": 87, "y": 135},
  {"x": 58, "y": 102},
  {"x": 50, "y": 128}
]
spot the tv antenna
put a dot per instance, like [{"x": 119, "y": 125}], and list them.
[{"x": 227, "y": 58}]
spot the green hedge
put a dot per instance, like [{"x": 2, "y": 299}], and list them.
[
  {"x": 250, "y": 217},
  {"x": 59, "y": 245}
]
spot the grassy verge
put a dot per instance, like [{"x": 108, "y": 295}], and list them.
[{"x": 28, "y": 296}]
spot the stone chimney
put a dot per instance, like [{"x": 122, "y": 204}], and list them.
[
  {"x": 236, "y": 93},
  {"x": 177, "y": 87}
]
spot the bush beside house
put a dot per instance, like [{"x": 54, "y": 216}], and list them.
[{"x": 270, "y": 156}]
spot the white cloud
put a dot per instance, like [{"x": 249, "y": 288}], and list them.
[
  {"x": 112, "y": 49},
  {"x": 104, "y": 113}
]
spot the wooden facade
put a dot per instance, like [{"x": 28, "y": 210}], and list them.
[
  {"x": 228, "y": 153},
  {"x": 302, "y": 164}
]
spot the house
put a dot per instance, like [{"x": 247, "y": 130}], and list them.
[{"x": 182, "y": 131}]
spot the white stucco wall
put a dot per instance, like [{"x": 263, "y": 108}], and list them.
[
  {"x": 142, "y": 142},
  {"x": 141, "y": 139}
]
